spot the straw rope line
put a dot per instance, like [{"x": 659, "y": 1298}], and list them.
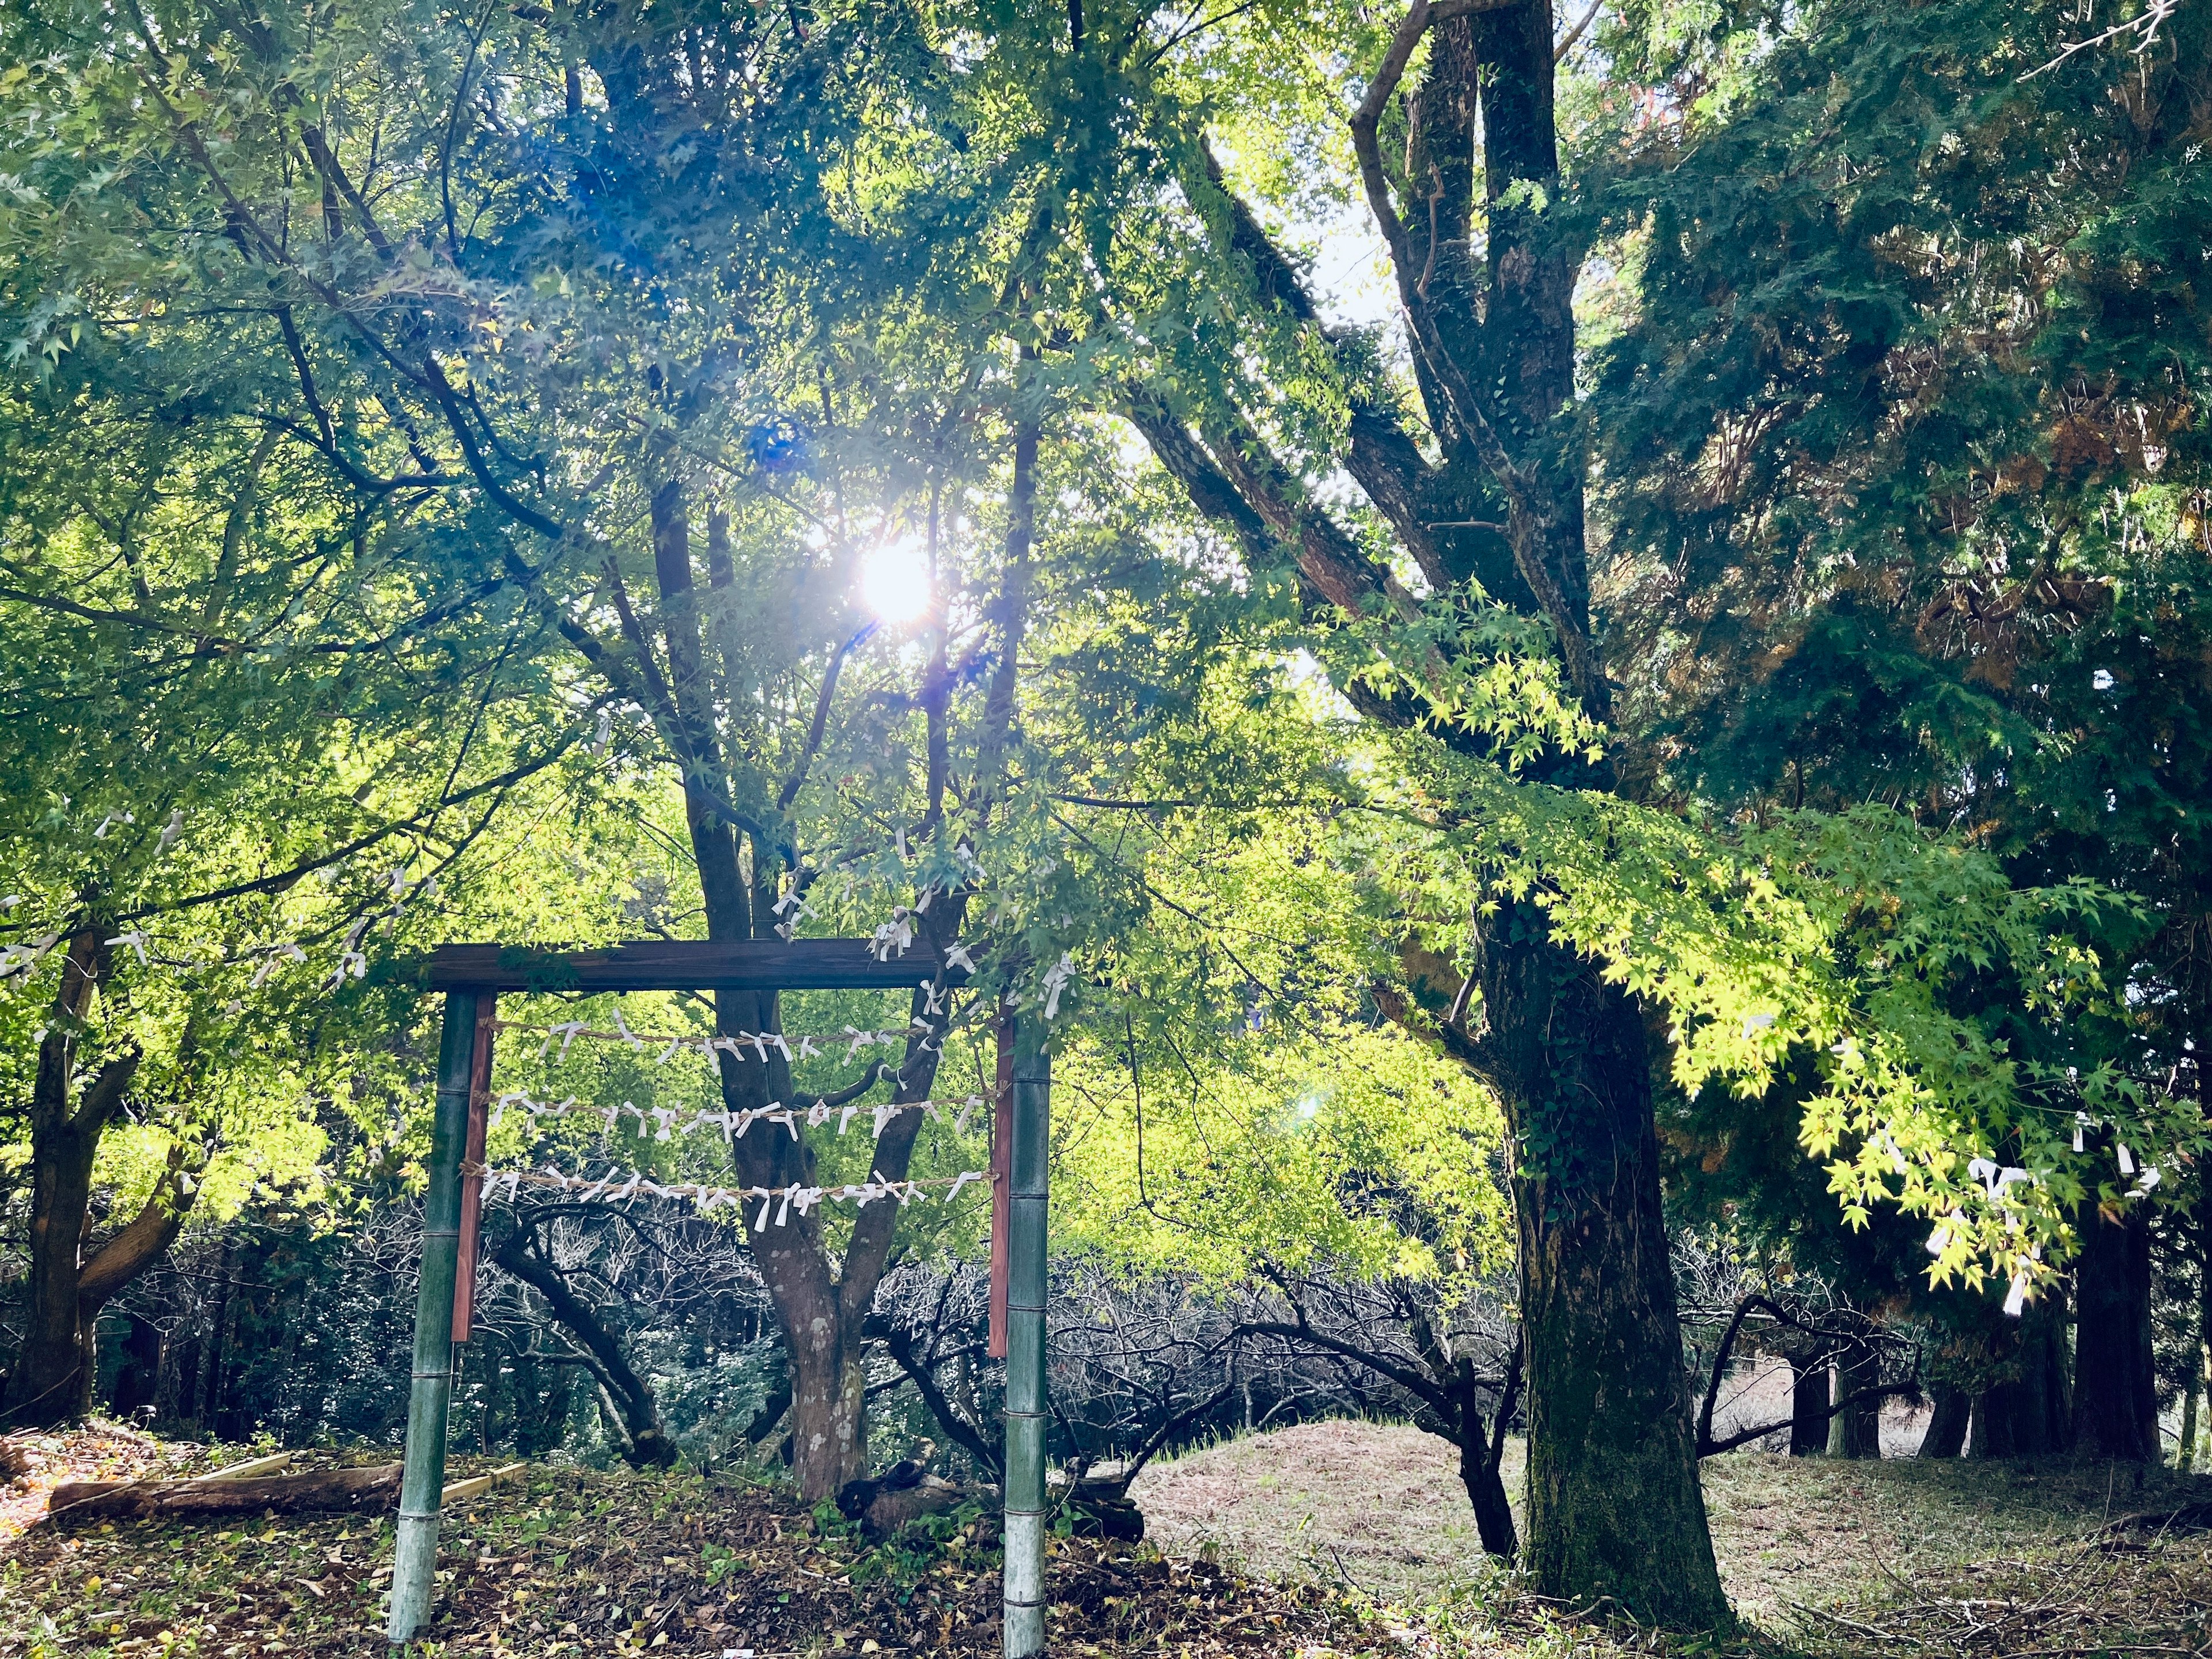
[
  {"x": 714, "y": 1046},
  {"x": 667, "y": 1119},
  {"x": 707, "y": 1199}
]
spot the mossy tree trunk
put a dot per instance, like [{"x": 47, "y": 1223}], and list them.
[{"x": 1614, "y": 1504}]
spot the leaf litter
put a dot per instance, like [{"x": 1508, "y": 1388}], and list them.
[{"x": 576, "y": 1561}]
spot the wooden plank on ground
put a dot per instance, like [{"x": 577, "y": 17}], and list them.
[
  {"x": 461, "y": 1491},
  {"x": 251, "y": 1466}
]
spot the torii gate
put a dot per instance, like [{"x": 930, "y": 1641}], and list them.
[{"x": 471, "y": 976}]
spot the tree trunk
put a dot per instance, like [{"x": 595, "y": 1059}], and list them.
[
  {"x": 2201, "y": 1365},
  {"x": 2115, "y": 1387},
  {"x": 1855, "y": 1430},
  {"x": 2185, "y": 1456},
  {"x": 1808, "y": 1404},
  {"x": 1486, "y": 1492},
  {"x": 1478, "y": 1463},
  {"x": 1614, "y": 1508},
  {"x": 1991, "y": 1433},
  {"x": 1614, "y": 1511},
  {"x": 2041, "y": 1420},
  {"x": 1947, "y": 1423},
  {"x": 636, "y": 1413},
  {"x": 52, "y": 1377},
  {"x": 820, "y": 1308}
]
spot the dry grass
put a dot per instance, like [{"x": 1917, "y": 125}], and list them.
[
  {"x": 1378, "y": 1505},
  {"x": 1381, "y": 1505}
]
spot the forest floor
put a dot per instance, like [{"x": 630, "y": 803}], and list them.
[{"x": 1311, "y": 1543}]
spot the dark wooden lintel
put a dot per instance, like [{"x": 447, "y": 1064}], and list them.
[{"x": 806, "y": 965}]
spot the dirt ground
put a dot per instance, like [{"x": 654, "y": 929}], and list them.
[
  {"x": 1380, "y": 1506},
  {"x": 1332, "y": 1541}
]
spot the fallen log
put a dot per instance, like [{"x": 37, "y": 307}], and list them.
[
  {"x": 886, "y": 1512},
  {"x": 372, "y": 1487},
  {"x": 1097, "y": 1504}
]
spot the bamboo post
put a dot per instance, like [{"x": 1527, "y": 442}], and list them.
[
  {"x": 1024, "y": 1592},
  {"x": 472, "y": 1152},
  {"x": 414, "y": 1552},
  {"x": 1002, "y": 1142}
]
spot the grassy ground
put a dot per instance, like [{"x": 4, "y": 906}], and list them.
[
  {"x": 1809, "y": 1549},
  {"x": 1320, "y": 1541}
]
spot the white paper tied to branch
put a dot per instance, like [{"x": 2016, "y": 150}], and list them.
[
  {"x": 2083, "y": 1123},
  {"x": 2127, "y": 1159},
  {"x": 1887, "y": 1142},
  {"x": 896, "y": 935},
  {"x": 270, "y": 956},
  {"x": 606, "y": 732},
  {"x": 2017, "y": 1298},
  {"x": 170, "y": 831},
  {"x": 956, "y": 956},
  {"x": 1056, "y": 981},
  {"x": 1994, "y": 1179},
  {"x": 136, "y": 938},
  {"x": 21, "y": 958},
  {"x": 798, "y": 910}
]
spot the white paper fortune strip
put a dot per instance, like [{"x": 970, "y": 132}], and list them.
[
  {"x": 670, "y": 1121},
  {"x": 798, "y": 1195},
  {"x": 672, "y": 1044}
]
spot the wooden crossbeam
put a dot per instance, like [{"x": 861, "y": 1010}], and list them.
[{"x": 806, "y": 965}]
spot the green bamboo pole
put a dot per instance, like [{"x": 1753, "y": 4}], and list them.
[
  {"x": 1023, "y": 1591},
  {"x": 415, "y": 1554}
]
